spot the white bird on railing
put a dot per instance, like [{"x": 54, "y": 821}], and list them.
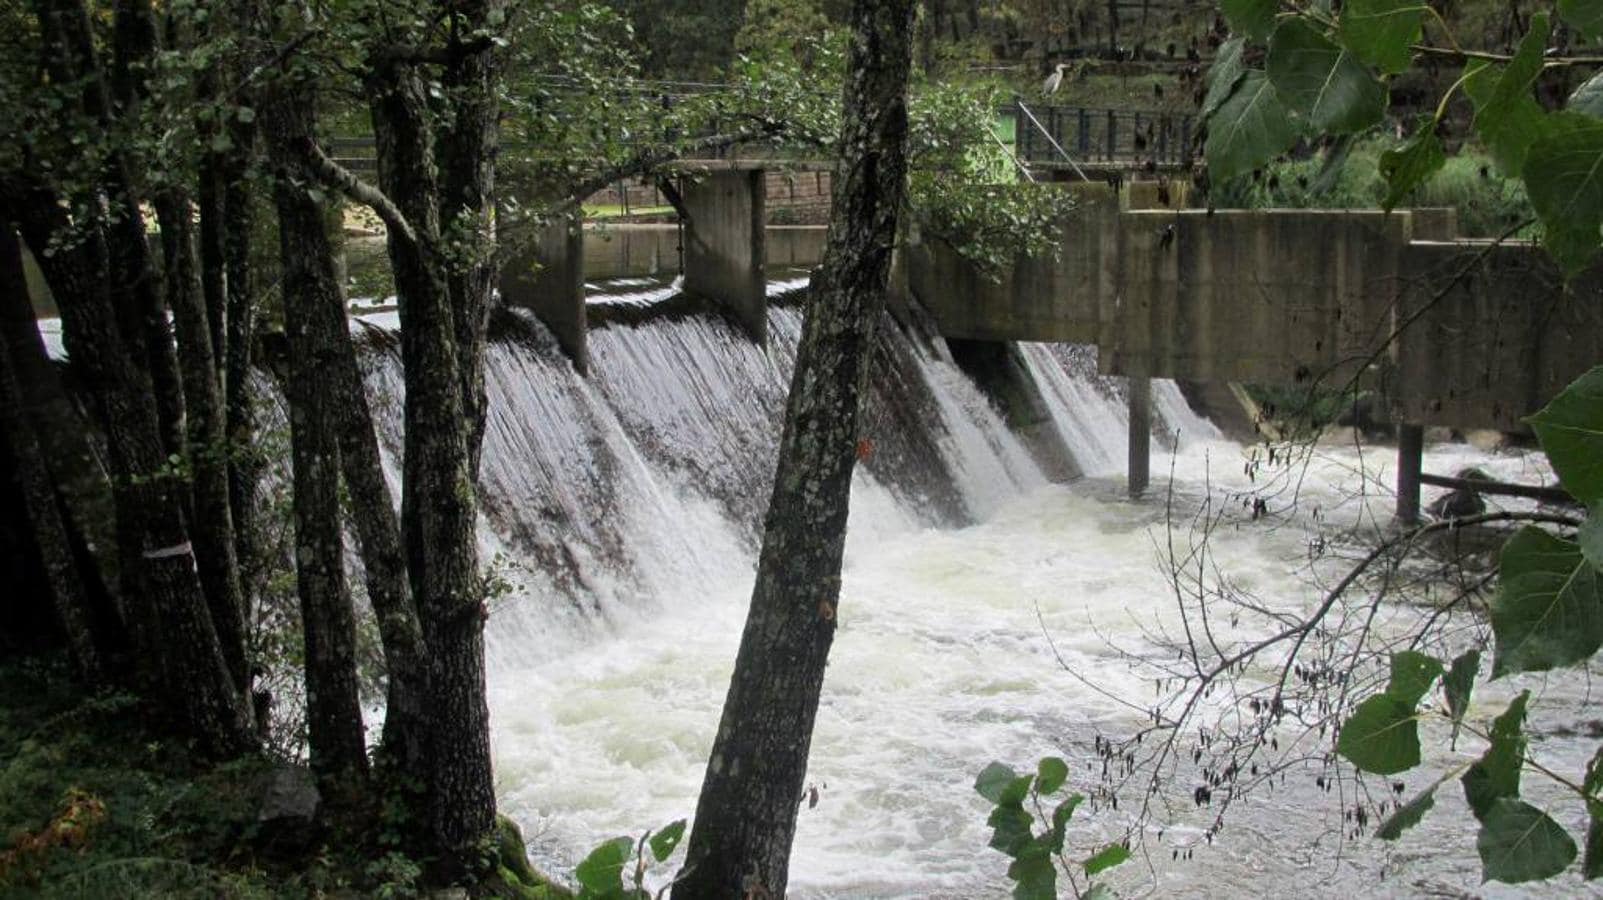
[{"x": 1055, "y": 80}]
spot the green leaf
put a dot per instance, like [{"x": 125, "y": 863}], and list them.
[
  {"x": 1407, "y": 816},
  {"x": 1520, "y": 843},
  {"x": 1035, "y": 878},
  {"x": 1590, "y": 537},
  {"x": 1381, "y": 736},
  {"x": 1458, "y": 683},
  {"x": 1547, "y": 611},
  {"x": 1594, "y": 774},
  {"x": 1107, "y": 858},
  {"x": 1253, "y": 18},
  {"x": 602, "y": 870},
  {"x": 1381, "y": 32},
  {"x": 1412, "y": 674},
  {"x": 1564, "y": 177},
  {"x": 664, "y": 841},
  {"x": 1507, "y": 117},
  {"x": 1248, "y": 129},
  {"x": 1098, "y": 892},
  {"x": 993, "y": 780},
  {"x": 1323, "y": 80},
  {"x": 1588, "y": 98},
  {"x": 1223, "y": 76},
  {"x": 1060, "y": 820},
  {"x": 1585, "y": 15},
  {"x": 1408, "y": 166},
  {"x": 1496, "y": 775},
  {"x": 1050, "y": 774},
  {"x": 1011, "y": 829},
  {"x": 245, "y": 115},
  {"x": 1570, "y": 428},
  {"x": 1592, "y": 863}
]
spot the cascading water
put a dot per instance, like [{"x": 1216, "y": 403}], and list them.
[{"x": 624, "y": 510}]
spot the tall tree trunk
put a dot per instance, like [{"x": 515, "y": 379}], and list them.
[
  {"x": 213, "y": 531},
  {"x": 746, "y": 815},
  {"x": 314, "y": 322},
  {"x": 88, "y": 282},
  {"x": 468, "y": 151},
  {"x": 67, "y": 588},
  {"x": 439, "y": 496}
]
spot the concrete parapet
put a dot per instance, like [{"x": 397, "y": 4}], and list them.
[
  {"x": 724, "y": 244},
  {"x": 1282, "y": 296},
  {"x": 1492, "y": 333},
  {"x": 548, "y": 279}
]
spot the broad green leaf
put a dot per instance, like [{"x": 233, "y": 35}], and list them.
[
  {"x": 1248, "y": 129},
  {"x": 1458, "y": 683},
  {"x": 1408, "y": 166},
  {"x": 1594, "y": 774},
  {"x": 1107, "y": 858},
  {"x": 1520, "y": 843},
  {"x": 1564, "y": 177},
  {"x": 1547, "y": 611},
  {"x": 1590, "y": 537},
  {"x": 1507, "y": 116},
  {"x": 1592, "y": 863},
  {"x": 1381, "y": 32},
  {"x": 602, "y": 870},
  {"x": 1407, "y": 816},
  {"x": 1060, "y": 820},
  {"x": 1412, "y": 674},
  {"x": 1588, "y": 98},
  {"x": 1496, "y": 774},
  {"x": 1050, "y": 774},
  {"x": 1011, "y": 826},
  {"x": 1585, "y": 15},
  {"x": 1098, "y": 892},
  {"x": 1035, "y": 878},
  {"x": 1223, "y": 76},
  {"x": 1381, "y": 736},
  {"x": 994, "y": 779},
  {"x": 1570, "y": 428},
  {"x": 1323, "y": 80},
  {"x": 1253, "y": 18},
  {"x": 664, "y": 841}
]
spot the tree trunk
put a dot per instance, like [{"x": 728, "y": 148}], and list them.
[
  {"x": 746, "y": 815},
  {"x": 439, "y": 496},
  {"x": 315, "y": 324},
  {"x": 68, "y": 591},
  {"x": 213, "y": 531},
  {"x": 174, "y": 629}
]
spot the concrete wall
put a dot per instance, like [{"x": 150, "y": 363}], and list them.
[
  {"x": 1495, "y": 334},
  {"x": 549, "y": 280},
  {"x": 724, "y": 245}
]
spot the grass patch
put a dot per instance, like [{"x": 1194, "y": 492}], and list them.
[{"x": 614, "y": 211}]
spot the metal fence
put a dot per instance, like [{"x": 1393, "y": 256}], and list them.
[{"x": 1089, "y": 134}]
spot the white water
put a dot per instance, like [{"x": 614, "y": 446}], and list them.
[{"x": 625, "y": 508}]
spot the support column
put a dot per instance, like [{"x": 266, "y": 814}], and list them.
[
  {"x": 1410, "y": 454},
  {"x": 724, "y": 245},
  {"x": 1140, "y": 467},
  {"x": 549, "y": 281}
]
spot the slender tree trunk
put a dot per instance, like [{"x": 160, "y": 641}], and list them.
[
  {"x": 68, "y": 591},
  {"x": 439, "y": 498},
  {"x": 468, "y": 157},
  {"x": 314, "y": 322},
  {"x": 207, "y": 446},
  {"x": 746, "y": 815}
]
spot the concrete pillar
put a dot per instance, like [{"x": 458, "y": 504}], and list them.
[
  {"x": 1140, "y": 434},
  {"x": 548, "y": 280},
  {"x": 1410, "y": 455},
  {"x": 724, "y": 245}
]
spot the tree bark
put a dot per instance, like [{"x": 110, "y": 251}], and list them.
[
  {"x": 69, "y": 594},
  {"x": 315, "y": 325},
  {"x": 439, "y": 495},
  {"x": 746, "y": 815}
]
